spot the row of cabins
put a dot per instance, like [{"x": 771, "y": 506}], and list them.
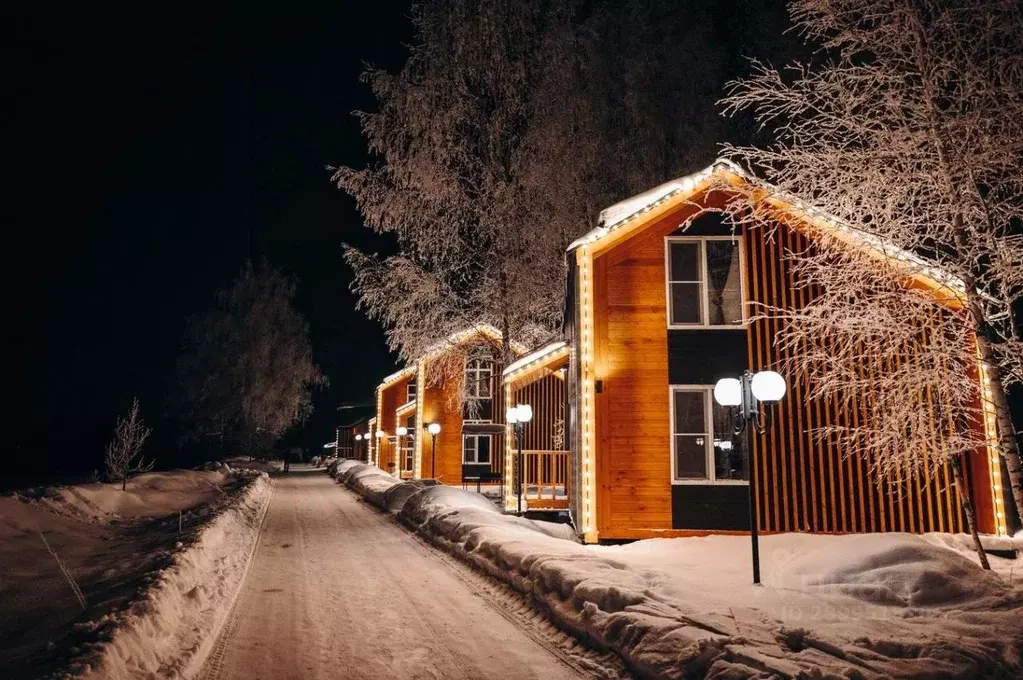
[{"x": 626, "y": 438}]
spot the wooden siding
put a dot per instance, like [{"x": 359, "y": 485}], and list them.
[
  {"x": 805, "y": 484},
  {"x": 547, "y": 397},
  {"x": 632, "y": 433}
]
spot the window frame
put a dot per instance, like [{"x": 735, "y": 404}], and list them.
[
  {"x": 701, "y": 241},
  {"x": 473, "y": 386},
  {"x": 708, "y": 446},
  {"x": 410, "y": 391},
  {"x": 477, "y": 437}
]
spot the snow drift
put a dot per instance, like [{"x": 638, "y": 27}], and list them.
[
  {"x": 170, "y": 629},
  {"x": 860, "y": 606}
]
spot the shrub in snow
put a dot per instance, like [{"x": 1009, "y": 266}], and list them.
[{"x": 370, "y": 482}]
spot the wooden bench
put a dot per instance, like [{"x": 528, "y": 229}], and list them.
[{"x": 481, "y": 478}]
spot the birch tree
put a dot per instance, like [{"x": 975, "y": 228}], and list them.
[
  {"x": 124, "y": 452},
  {"x": 512, "y": 124},
  {"x": 246, "y": 372},
  {"x": 909, "y": 127}
]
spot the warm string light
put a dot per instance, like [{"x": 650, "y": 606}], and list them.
[
  {"x": 991, "y": 436},
  {"x": 586, "y": 365},
  {"x": 417, "y": 443},
  {"x": 509, "y": 470}
]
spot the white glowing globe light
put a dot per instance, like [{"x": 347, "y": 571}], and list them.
[
  {"x": 728, "y": 392},
  {"x": 768, "y": 386},
  {"x": 381, "y": 434},
  {"x": 434, "y": 428},
  {"x": 511, "y": 416},
  {"x": 358, "y": 437},
  {"x": 525, "y": 412},
  {"x": 402, "y": 431}
]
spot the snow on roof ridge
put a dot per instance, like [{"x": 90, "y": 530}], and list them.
[
  {"x": 457, "y": 336},
  {"x": 535, "y": 356},
  {"x": 615, "y": 215}
]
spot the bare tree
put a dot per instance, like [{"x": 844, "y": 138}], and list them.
[
  {"x": 908, "y": 128},
  {"x": 124, "y": 452}
]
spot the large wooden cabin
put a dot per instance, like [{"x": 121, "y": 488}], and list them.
[{"x": 657, "y": 312}]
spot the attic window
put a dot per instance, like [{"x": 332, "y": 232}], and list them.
[
  {"x": 704, "y": 281},
  {"x": 478, "y": 374}
]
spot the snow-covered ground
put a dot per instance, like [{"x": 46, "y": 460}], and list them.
[
  {"x": 337, "y": 590},
  {"x": 138, "y": 574},
  {"x": 869, "y": 606}
]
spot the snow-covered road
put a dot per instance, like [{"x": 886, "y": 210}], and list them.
[{"x": 336, "y": 589}]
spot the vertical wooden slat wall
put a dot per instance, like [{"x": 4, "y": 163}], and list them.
[
  {"x": 804, "y": 481},
  {"x": 547, "y": 397}
]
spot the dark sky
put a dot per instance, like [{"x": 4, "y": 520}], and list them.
[{"x": 153, "y": 147}]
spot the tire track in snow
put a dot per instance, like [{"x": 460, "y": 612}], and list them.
[
  {"x": 519, "y": 611},
  {"x": 213, "y": 665}
]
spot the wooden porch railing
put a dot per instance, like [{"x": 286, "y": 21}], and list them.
[{"x": 545, "y": 475}]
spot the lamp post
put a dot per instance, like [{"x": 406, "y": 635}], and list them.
[
  {"x": 746, "y": 393},
  {"x": 401, "y": 432},
  {"x": 434, "y": 430},
  {"x": 355, "y": 449},
  {"x": 518, "y": 416}
]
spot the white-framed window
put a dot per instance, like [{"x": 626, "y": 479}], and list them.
[
  {"x": 704, "y": 277},
  {"x": 478, "y": 374},
  {"x": 408, "y": 448},
  {"x": 410, "y": 391},
  {"x": 703, "y": 448},
  {"x": 476, "y": 449}
]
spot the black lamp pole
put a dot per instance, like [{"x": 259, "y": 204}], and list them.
[
  {"x": 518, "y": 441},
  {"x": 751, "y": 421},
  {"x": 433, "y": 456}
]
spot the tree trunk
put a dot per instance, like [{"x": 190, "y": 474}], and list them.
[
  {"x": 971, "y": 515},
  {"x": 1007, "y": 446}
]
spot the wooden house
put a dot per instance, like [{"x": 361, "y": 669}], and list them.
[
  {"x": 538, "y": 379},
  {"x": 396, "y": 405},
  {"x": 656, "y": 313},
  {"x": 351, "y": 439},
  {"x": 456, "y": 386}
]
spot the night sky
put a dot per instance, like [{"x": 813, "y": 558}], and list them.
[{"x": 155, "y": 148}]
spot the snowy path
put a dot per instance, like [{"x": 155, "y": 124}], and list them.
[{"x": 337, "y": 590}]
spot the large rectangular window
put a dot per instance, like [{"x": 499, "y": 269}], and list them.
[
  {"x": 476, "y": 449},
  {"x": 409, "y": 445},
  {"x": 704, "y": 281},
  {"x": 703, "y": 449}
]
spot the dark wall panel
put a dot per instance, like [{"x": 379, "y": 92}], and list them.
[
  {"x": 701, "y": 357},
  {"x": 722, "y": 507}
]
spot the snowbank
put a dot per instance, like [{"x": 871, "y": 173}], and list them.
[
  {"x": 857, "y": 606},
  {"x": 169, "y": 631},
  {"x": 369, "y": 481},
  {"x": 152, "y": 494},
  {"x": 341, "y": 465}
]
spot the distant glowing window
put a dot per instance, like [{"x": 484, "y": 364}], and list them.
[
  {"x": 703, "y": 448},
  {"x": 410, "y": 391},
  {"x": 704, "y": 281}
]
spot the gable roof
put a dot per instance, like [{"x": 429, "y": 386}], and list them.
[{"x": 669, "y": 195}]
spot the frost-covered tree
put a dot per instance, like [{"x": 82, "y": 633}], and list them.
[
  {"x": 246, "y": 373},
  {"x": 124, "y": 452},
  {"x": 512, "y": 124},
  {"x": 908, "y": 126}
]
